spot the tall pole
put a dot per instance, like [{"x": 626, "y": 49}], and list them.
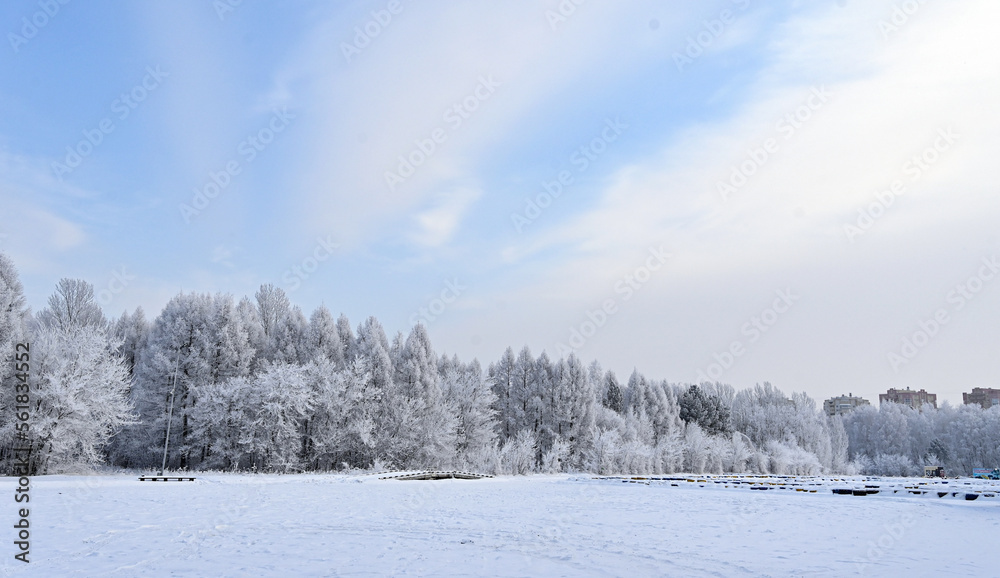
[{"x": 170, "y": 414}]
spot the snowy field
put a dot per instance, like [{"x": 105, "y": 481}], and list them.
[{"x": 324, "y": 525}]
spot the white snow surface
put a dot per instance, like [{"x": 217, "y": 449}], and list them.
[{"x": 559, "y": 525}]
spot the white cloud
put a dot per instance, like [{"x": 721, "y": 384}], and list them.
[
  {"x": 888, "y": 101},
  {"x": 35, "y": 232},
  {"x": 852, "y": 146},
  {"x": 364, "y": 115},
  {"x": 436, "y": 225},
  {"x": 223, "y": 255}
]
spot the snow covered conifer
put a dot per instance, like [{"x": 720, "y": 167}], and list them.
[
  {"x": 705, "y": 410},
  {"x": 574, "y": 410},
  {"x": 468, "y": 393},
  {"x": 347, "y": 339},
  {"x": 132, "y": 331},
  {"x": 501, "y": 377},
  {"x": 613, "y": 398},
  {"x": 522, "y": 390},
  {"x": 323, "y": 340},
  {"x": 540, "y": 403},
  {"x": 417, "y": 379},
  {"x": 197, "y": 340}
]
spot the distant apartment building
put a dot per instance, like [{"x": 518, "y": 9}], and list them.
[
  {"x": 984, "y": 396},
  {"x": 843, "y": 404},
  {"x": 912, "y": 398}
]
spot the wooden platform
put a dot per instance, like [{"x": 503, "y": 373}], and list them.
[
  {"x": 435, "y": 475},
  {"x": 165, "y": 479}
]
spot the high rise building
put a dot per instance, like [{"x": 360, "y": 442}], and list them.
[
  {"x": 912, "y": 398},
  {"x": 843, "y": 404},
  {"x": 984, "y": 396}
]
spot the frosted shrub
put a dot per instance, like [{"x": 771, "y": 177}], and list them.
[
  {"x": 604, "y": 459},
  {"x": 896, "y": 465},
  {"x": 518, "y": 455},
  {"x": 696, "y": 448},
  {"x": 637, "y": 458},
  {"x": 554, "y": 460},
  {"x": 792, "y": 460}
]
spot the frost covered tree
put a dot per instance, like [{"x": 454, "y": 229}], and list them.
[
  {"x": 501, "y": 378},
  {"x": 839, "y": 446},
  {"x": 249, "y": 319},
  {"x": 13, "y": 307},
  {"x": 72, "y": 305},
  {"x": 790, "y": 434},
  {"x": 272, "y": 307},
  {"x": 574, "y": 411},
  {"x": 518, "y": 455},
  {"x": 613, "y": 398},
  {"x": 417, "y": 381},
  {"x": 397, "y": 427},
  {"x": 197, "y": 340},
  {"x": 283, "y": 326},
  {"x": 523, "y": 413},
  {"x": 347, "y": 339},
  {"x": 255, "y": 422},
  {"x": 540, "y": 409},
  {"x": 896, "y": 438},
  {"x": 79, "y": 395},
  {"x": 466, "y": 390},
  {"x": 696, "y": 448},
  {"x": 258, "y": 386},
  {"x": 654, "y": 401},
  {"x": 322, "y": 338},
  {"x": 274, "y": 405},
  {"x": 80, "y": 383},
  {"x": 132, "y": 331},
  {"x": 342, "y": 428},
  {"x": 14, "y": 316},
  {"x": 557, "y": 458},
  {"x": 707, "y": 411},
  {"x": 233, "y": 352}
]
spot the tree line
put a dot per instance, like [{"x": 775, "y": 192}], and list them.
[{"x": 255, "y": 385}]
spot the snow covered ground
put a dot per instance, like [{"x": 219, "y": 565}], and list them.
[{"x": 324, "y": 525}]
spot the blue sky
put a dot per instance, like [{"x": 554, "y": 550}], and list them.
[{"x": 785, "y": 191}]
